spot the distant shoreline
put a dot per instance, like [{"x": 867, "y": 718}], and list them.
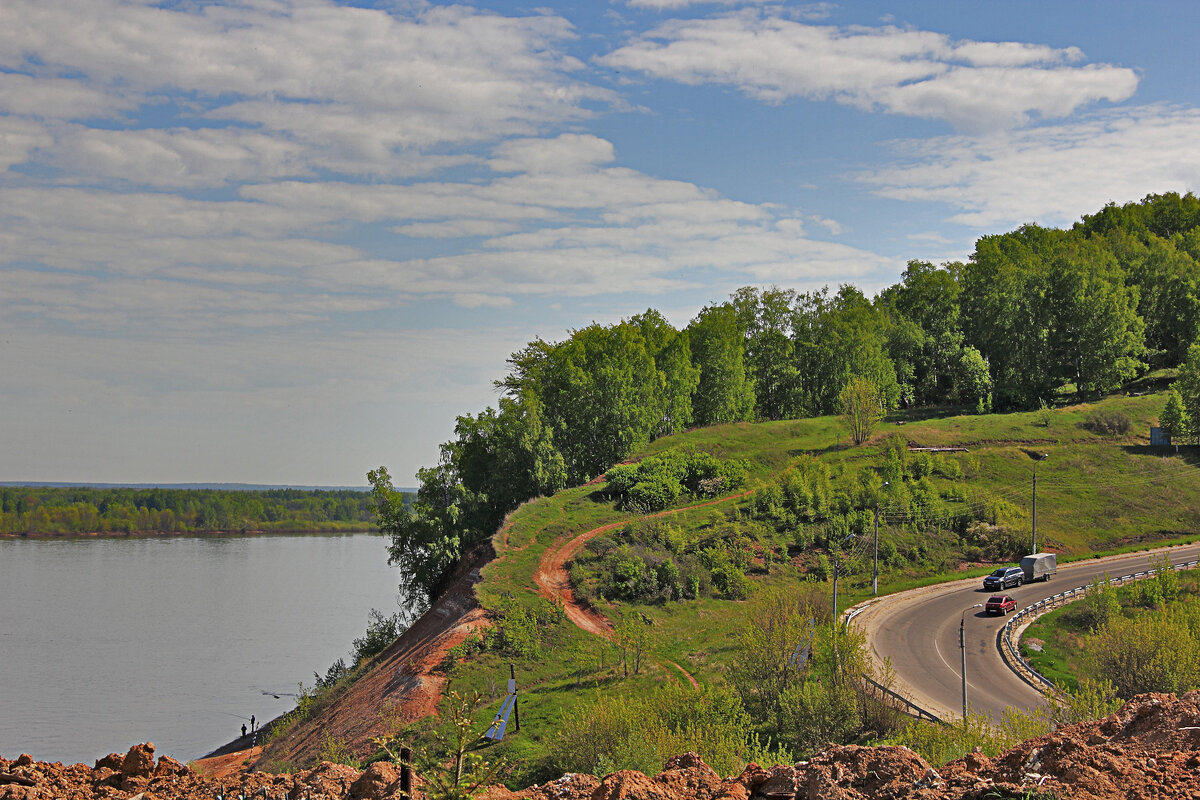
[{"x": 169, "y": 534}]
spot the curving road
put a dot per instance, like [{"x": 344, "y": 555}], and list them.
[{"x": 918, "y": 631}]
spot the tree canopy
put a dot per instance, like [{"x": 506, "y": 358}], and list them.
[{"x": 1032, "y": 313}]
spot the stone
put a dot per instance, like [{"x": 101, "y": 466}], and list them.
[
  {"x": 139, "y": 761},
  {"x": 111, "y": 761},
  {"x": 169, "y": 766},
  {"x": 375, "y": 782}
]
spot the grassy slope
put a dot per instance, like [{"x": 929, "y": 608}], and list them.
[
  {"x": 1064, "y": 658},
  {"x": 1095, "y": 494}
]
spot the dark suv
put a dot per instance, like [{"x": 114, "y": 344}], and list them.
[{"x": 1004, "y": 578}]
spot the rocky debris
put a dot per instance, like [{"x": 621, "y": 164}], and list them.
[
  {"x": 1148, "y": 749},
  {"x": 136, "y": 776},
  {"x": 139, "y": 761},
  {"x": 375, "y": 782}
]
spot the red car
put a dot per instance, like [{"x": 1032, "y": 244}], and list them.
[{"x": 1000, "y": 604}]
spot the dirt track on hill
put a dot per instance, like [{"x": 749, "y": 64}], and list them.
[{"x": 554, "y": 582}]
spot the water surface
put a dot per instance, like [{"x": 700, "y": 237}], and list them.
[{"x": 105, "y": 643}]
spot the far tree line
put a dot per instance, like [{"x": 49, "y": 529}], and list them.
[
  {"x": 61, "y": 510},
  {"x": 1030, "y": 312}
]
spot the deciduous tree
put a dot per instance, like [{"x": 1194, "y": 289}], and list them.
[{"x": 861, "y": 408}]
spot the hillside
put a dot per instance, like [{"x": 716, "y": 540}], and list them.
[{"x": 1096, "y": 493}]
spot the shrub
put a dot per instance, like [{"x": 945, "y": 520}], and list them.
[
  {"x": 619, "y": 732},
  {"x": 1108, "y": 422},
  {"x": 1157, "y": 652},
  {"x": 1100, "y": 605},
  {"x": 517, "y": 629},
  {"x": 658, "y": 481},
  {"x": 337, "y": 670},
  {"x": 381, "y": 631}
]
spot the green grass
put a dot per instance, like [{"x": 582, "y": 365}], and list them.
[
  {"x": 1096, "y": 494},
  {"x": 1064, "y": 655}
]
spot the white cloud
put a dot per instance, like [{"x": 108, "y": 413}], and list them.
[
  {"x": 568, "y": 153},
  {"x": 973, "y": 85},
  {"x": 802, "y": 11},
  {"x": 56, "y": 98},
  {"x": 1051, "y": 174},
  {"x": 319, "y": 85},
  {"x": 477, "y": 300},
  {"x": 19, "y": 138}
]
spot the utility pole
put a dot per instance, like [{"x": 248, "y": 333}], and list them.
[
  {"x": 962, "y": 645},
  {"x": 1038, "y": 460},
  {"x": 1034, "y": 550},
  {"x": 875, "y": 577}
]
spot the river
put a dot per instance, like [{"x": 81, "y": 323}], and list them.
[{"x": 105, "y": 643}]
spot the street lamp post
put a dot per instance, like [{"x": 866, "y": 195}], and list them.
[
  {"x": 875, "y": 577},
  {"x": 962, "y": 645},
  {"x": 836, "y": 551}
]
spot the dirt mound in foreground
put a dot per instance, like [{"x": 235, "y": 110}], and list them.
[
  {"x": 136, "y": 776},
  {"x": 1148, "y": 749}
]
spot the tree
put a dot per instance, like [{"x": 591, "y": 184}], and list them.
[
  {"x": 1004, "y": 314},
  {"x": 1096, "y": 338},
  {"x": 1174, "y": 418},
  {"x": 765, "y": 318},
  {"x": 838, "y": 338},
  {"x": 861, "y": 408},
  {"x": 604, "y": 395},
  {"x": 725, "y": 393},
  {"x": 679, "y": 377},
  {"x": 772, "y": 652},
  {"x": 972, "y": 379},
  {"x": 631, "y": 636},
  {"x": 1188, "y": 386},
  {"x": 928, "y": 301},
  {"x": 425, "y": 542}
]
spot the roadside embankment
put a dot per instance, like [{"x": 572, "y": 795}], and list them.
[{"x": 1150, "y": 748}]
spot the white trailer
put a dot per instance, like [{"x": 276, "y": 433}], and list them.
[{"x": 1039, "y": 566}]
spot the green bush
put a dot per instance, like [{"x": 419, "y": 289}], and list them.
[
  {"x": 382, "y": 630},
  {"x": 616, "y": 732},
  {"x": 1108, "y": 422},
  {"x": 658, "y": 481},
  {"x": 1150, "y": 652}
]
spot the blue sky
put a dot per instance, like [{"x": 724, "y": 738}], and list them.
[{"x": 286, "y": 242}]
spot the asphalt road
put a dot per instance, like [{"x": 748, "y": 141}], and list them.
[{"x": 918, "y": 631}]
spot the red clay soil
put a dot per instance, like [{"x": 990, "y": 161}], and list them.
[
  {"x": 405, "y": 684},
  {"x": 1148, "y": 750}
]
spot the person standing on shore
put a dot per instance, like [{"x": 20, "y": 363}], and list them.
[
  {"x": 253, "y": 726},
  {"x": 243, "y": 730}
]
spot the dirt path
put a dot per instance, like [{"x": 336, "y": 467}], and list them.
[
  {"x": 554, "y": 583},
  {"x": 691, "y": 679}
]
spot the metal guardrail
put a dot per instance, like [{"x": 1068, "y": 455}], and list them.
[
  {"x": 1012, "y": 654},
  {"x": 910, "y": 708}
]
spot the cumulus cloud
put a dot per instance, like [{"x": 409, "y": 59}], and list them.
[
  {"x": 1050, "y": 174},
  {"x": 319, "y": 86},
  {"x": 975, "y": 86},
  {"x": 802, "y": 11}
]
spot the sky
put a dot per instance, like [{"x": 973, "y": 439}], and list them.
[{"x": 286, "y": 242}]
